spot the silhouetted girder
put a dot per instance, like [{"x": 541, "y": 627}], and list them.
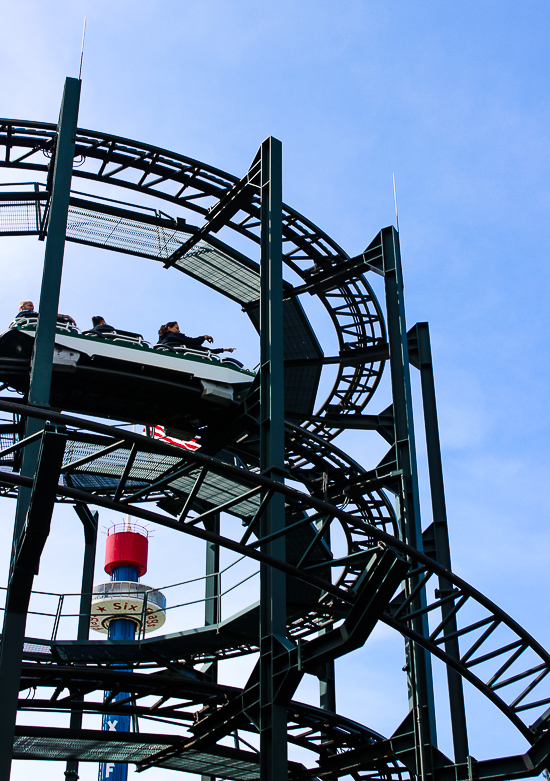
[
  {"x": 380, "y": 578},
  {"x": 355, "y": 487},
  {"x": 42, "y": 500},
  {"x": 382, "y": 423},
  {"x": 501, "y": 690},
  {"x": 30, "y": 533},
  {"x": 351, "y": 356},
  {"x": 356, "y": 761},
  {"x": 405, "y": 749},
  {"x": 388, "y": 472},
  {"x": 361, "y": 762},
  {"x": 502, "y": 769},
  {"x": 323, "y": 279},
  {"x": 229, "y": 717},
  {"x": 223, "y": 211},
  {"x": 18, "y": 195},
  {"x": 243, "y": 711},
  {"x": 532, "y": 763},
  {"x": 79, "y": 680},
  {"x": 375, "y": 587}
]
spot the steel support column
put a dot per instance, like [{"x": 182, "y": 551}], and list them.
[
  {"x": 41, "y": 372},
  {"x": 327, "y": 676},
  {"x": 212, "y": 605},
  {"x": 89, "y": 523},
  {"x": 421, "y": 697},
  {"x": 42, "y": 362},
  {"x": 423, "y": 360},
  {"x": 25, "y": 563},
  {"x": 327, "y": 687},
  {"x": 273, "y": 717},
  {"x": 15, "y": 617}
]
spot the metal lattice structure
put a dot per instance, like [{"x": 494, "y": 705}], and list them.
[{"x": 274, "y": 465}]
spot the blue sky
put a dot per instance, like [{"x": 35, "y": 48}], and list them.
[{"x": 453, "y": 99}]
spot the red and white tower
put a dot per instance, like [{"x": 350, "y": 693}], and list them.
[{"x": 122, "y": 607}]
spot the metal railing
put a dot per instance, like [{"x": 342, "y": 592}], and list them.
[{"x": 53, "y": 615}]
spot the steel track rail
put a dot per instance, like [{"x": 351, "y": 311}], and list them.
[
  {"x": 498, "y": 657},
  {"x": 175, "y": 701},
  {"x": 351, "y": 303}
]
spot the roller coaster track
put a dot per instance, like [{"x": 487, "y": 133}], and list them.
[
  {"x": 195, "y": 186},
  {"x": 373, "y": 576},
  {"x": 497, "y": 656}
]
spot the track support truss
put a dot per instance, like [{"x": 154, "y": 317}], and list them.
[{"x": 338, "y": 547}]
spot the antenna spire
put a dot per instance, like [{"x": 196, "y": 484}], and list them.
[
  {"x": 395, "y": 201},
  {"x": 82, "y": 50}
]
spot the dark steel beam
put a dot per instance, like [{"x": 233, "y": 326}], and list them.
[
  {"x": 9, "y": 195},
  {"x": 272, "y": 713},
  {"x": 212, "y": 596},
  {"x": 89, "y": 523},
  {"x": 26, "y": 544},
  {"x": 376, "y": 586},
  {"x": 421, "y": 356},
  {"x": 324, "y": 279},
  {"x": 222, "y": 212},
  {"x": 42, "y": 363},
  {"x": 382, "y": 423},
  {"x": 39, "y": 393},
  {"x": 25, "y": 563},
  {"x": 421, "y": 697},
  {"x": 348, "y": 357}
]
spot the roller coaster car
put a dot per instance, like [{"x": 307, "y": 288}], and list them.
[{"x": 116, "y": 374}]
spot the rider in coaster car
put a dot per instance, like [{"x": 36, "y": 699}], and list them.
[
  {"x": 171, "y": 336},
  {"x": 26, "y": 309},
  {"x": 100, "y": 326}
]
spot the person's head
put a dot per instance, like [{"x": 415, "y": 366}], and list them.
[
  {"x": 26, "y": 306},
  {"x": 168, "y": 328},
  {"x": 97, "y": 320}
]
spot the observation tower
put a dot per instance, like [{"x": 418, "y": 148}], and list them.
[
  {"x": 333, "y": 548},
  {"x": 121, "y": 608}
]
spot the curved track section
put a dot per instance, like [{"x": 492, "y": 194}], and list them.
[
  {"x": 498, "y": 657},
  {"x": 196, "y": 187},
  {"x": 347, "y": 564},
  {"x": 318, "y": 733}
]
